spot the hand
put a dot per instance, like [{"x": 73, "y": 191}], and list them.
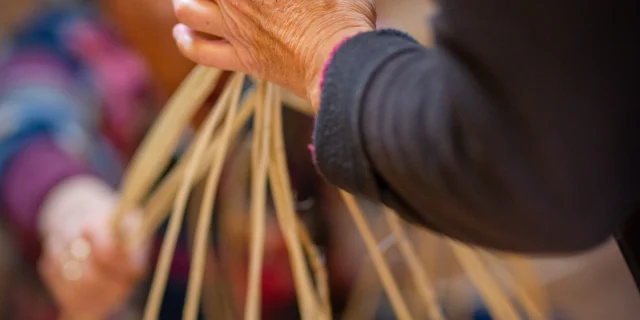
[
  {"x": 284, "y": 41},
  {"x": 88, "y": 274}
]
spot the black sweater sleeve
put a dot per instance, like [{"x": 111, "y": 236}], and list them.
[{"x": 518, "y": 130}]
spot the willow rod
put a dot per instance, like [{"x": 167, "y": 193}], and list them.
[
  {"x": 495, "y": 298},
  {"x": 418, "y": 274},
  {"x": 381, "y": 266},
  {"x": 283, "y": 199},
  {"x": 528, "y": 288},
  {"x": 296, "y": 103},
  {"x": 198, "y": 261},
  {"x": 158, "y": 285},
  {"x": 519, "y": 276},
  {"x": 155, "y": 210},
  {"x": 318, "y": 267},
  {"x": 156, "y": 149},
  {"x": 268, "y": 165},
  {"x": 259, "y": 165}
]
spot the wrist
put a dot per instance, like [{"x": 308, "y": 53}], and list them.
[{"x": 323, "y": 59}]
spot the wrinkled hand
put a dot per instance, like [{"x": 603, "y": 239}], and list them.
[
  {"x": 283, "y": 41},
  {"x": 88, "y": 274}
]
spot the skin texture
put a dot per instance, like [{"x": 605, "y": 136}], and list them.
[{"x": 284, "y": 41}]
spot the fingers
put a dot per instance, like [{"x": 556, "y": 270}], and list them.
[
  {"x": 76, "y": 295},
  {"x": 200, "y": 15},
  {"x": 92, "y": 295},
  {"x": 94, "y": 285},
  {"x": 213, "y": 53},
  {"x": 114, "y": 263}
]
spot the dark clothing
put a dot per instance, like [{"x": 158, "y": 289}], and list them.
[{"x": 517, "y": 131}]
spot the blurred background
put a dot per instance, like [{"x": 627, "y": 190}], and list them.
[{"x": 92, "y": 75}]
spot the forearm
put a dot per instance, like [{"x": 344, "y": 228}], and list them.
[{"x": 501, "y": 146}]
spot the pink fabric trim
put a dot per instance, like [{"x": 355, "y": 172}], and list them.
[
  {"x": 324, "y": 73},
  {"x": 328, "y": 62},
  {"x": 312, "y": 150}
]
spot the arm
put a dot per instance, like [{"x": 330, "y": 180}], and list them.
[{"x": 517, "y": 131}]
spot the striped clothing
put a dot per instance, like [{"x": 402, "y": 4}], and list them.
[{"x": 72, "y": 100}]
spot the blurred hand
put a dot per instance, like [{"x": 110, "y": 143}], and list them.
[
  {"x": 88, "y": 274},
  {"x": 283, "y": 41}
]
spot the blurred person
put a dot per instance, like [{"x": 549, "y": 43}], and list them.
[
  {"x": 76, "y": 95},
  {"x": 78, "y": 88},
  {"x": 74, "y": 102}
]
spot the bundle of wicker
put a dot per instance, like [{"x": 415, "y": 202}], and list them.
[{"x": 206, "y": 156}]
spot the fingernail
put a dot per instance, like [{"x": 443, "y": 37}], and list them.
[{"x": 182, "y": 36}]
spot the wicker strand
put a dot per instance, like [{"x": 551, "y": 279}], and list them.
[
  {"x": 528, "y": 288},
  {"x": 268, "y": 165},
  {"x": 154, "y": 301},
  {"x": 497, "y": 301},
  {"x": 155, "y": 152},
  {"x": 259, "y": 165},
  {"x": 384, "y": 272},
  {"x": 212, "y": 306},
  {"x": 428, "y": 252},
  {"x": 233, "y": 216},
  {"x": 296, "y": 103},
  {"x": 320, "y": 273},
  {"x": 318, "y": 267},
  {"x": 366, "y": 293},
  {"x": 198, "y": 261},
  {"x": 418, "y": 274},
  {"x": 520, "y": 278},
  {"x": 161, "y": 198},
  {"x": 283, "y": 199}
]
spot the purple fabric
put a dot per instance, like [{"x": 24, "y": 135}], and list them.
[{"x": 30, "y": 175}]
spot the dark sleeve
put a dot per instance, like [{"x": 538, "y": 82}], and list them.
[{"x": 516, "y": 131}]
